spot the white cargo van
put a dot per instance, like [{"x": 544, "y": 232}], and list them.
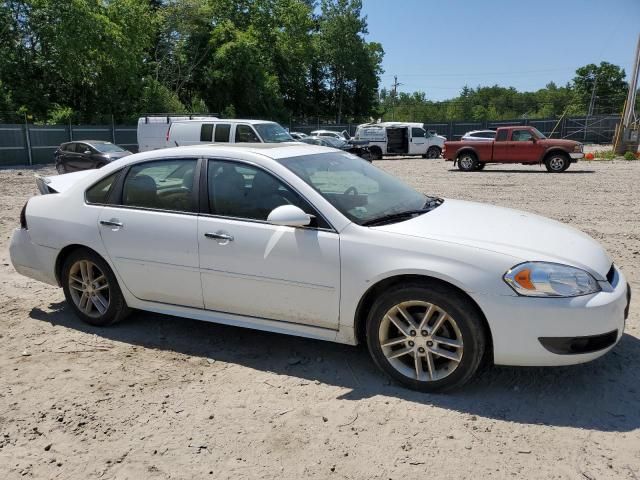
[
  {"x": 193, "y": 132},
  {"x": 154, "y": 129},
  {"x": 400, "y": 138}
]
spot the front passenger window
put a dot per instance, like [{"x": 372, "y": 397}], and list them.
[
  {"x": 243, "y": 191},
  {"x": 246, "y": 134},
  {"x": 161, "y": 185}
]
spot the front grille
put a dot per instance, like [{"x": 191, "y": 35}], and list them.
[{"x": 611, "y": 274}]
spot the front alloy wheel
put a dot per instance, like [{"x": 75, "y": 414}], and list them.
[
  {"x": 428, "y": 337},
  {"x": 557, "y": 163},
  {"x": 421, "y": 341}
]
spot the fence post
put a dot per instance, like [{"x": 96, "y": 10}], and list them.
[
  {"x": 70, "y": 130},
  {"x": 113, "y": 129},
  {"x": 28, "y": 139}
]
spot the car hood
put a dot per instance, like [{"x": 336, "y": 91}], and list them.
[
  {"x": 523, "y": 235},
  {"x": 553, "y": 142},
  {"x": 117, "y": 155}
]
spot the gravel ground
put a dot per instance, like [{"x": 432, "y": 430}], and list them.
[{"x": 163, "y": 397}]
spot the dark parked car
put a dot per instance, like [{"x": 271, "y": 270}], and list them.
[
  {"x": 352, "y": 146},
  {"x": 86, "y": 154}
]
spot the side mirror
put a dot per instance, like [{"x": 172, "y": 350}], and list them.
[
  {"x": 289, "y": 216},
  {"x": 533, "y": 139},
  {"x": 87, "y": 152}
]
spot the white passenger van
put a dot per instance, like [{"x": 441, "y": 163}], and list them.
[
  {"x": 193, "y": 132},
  {"x": 400, "y": 138},
  {"x": 153, "y": 130}
]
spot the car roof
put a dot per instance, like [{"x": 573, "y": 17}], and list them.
[
  {"x": 488, "y": 130},
  {"x": 225, "y": 120},
  {"x": 87, "y": 141},
  {"x": 274, "y": 151}
]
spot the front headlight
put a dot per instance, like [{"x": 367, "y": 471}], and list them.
[
  {"x": 578, "y": 148},
  {"x": 543, "y": 279}
]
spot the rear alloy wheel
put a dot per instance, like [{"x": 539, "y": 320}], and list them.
[
  {"x": 90, "y": 287},
  {"x": 467, "y": 162},
  {"x": 427, "y": 338},
  {"x": 557, "y": 162},
  {"x": 433, "y": 152}
]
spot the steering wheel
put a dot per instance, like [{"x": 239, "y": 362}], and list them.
[{"x": 351, "y": 191}]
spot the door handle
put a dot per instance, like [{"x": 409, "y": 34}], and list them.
[
  {"x": 111, "y": 223},
  {"x": 219, "y": 236}
]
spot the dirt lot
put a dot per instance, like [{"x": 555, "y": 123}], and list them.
[{"x": 163, "y": 397}]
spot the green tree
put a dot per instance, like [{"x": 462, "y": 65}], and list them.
[{"x": 606, "y": 81}]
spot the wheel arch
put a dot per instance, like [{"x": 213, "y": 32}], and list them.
[
  {"x": 552, "y": 151},
  {"x": 464, "y": 150},
  {"x": 64, "y": 254},
  {"x": 369, "y": 297}
]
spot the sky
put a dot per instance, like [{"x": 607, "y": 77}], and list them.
[{"x": 439, "y": 46}]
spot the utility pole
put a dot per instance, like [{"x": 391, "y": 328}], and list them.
[
  {"x": 591, "y": 105},
  {"x": 629, "y": 138},
  {"x": 395, "y": 95}
]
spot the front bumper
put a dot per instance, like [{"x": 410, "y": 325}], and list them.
[
  {"x": 31, "y": 260},
  {"x": 575, "y": 156},
  {"x": 520, "y": 326}
]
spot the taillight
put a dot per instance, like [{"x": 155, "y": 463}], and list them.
[{"x": 23, "y": 217}]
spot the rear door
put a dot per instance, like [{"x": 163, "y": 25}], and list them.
[
  {"x": 150, "y": 231},
  {"x": 502, "y": 147},
  {"x": 77, "y": 159}
]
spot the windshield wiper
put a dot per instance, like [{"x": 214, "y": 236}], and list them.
[{"x": 429, "y": 205}]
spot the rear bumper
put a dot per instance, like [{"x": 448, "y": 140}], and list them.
[{"x": 31, "y": 260}]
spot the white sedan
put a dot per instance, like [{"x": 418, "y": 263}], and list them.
[{"x": 311, "y": 241}]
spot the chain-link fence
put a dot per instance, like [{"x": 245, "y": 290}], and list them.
[{"x": 23, "y": 143}]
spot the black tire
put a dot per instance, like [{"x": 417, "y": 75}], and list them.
[
  {"x": 117, "y": 308},
  {"x": 458, "y": 307},
  {"x": 376, "y": 153},
  {"x": 557, "y": 162},
  {"x": 467, "y": 161},
  {"x": 433, "y": 152},
  {"x": 481, "y": 166}
]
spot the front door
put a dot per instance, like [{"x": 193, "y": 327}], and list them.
[
  {"x": 250, "y": 267},
  {"x": 525, "y": 146},
  {"x": 418, "y": 141},
  {"x": 151, "y": 233}
]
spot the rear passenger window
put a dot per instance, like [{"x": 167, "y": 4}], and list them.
[
  {"x": 246, "y": 134},
  {"x": 222, "y": 132},
  {"x": 162, "y": 185},
  {"x": 501, "y": 136},
  {"x": 206, "y": 132},
  {"x": 99, "y": 193}
]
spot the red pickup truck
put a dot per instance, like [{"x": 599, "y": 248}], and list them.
[{"x": 525, "y": 145}]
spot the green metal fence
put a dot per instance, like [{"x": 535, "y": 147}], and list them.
[{"x": 27, "y": 144}]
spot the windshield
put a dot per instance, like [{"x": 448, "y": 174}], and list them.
[
  {"x": 273, "y": 133},
  {"x": 538, "y": 133},
  {"x": 360, "y": 191},
  {"x": 107, "y": 147}
]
